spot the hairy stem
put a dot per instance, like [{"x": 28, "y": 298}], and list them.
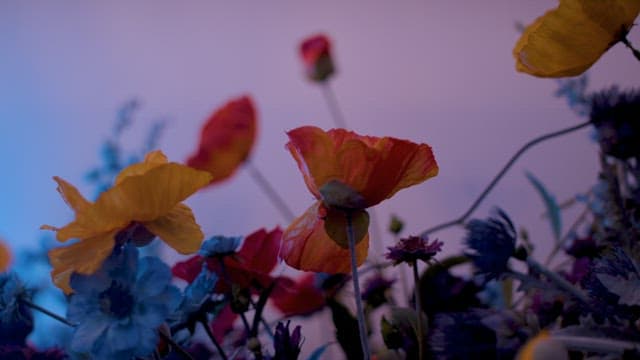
[
  {"x": 47, "y": 312},
  {"x": 270, "y": 191},
  {"x": 213, "y": 339}
]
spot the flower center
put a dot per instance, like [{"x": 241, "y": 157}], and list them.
[{"x": 117, "y": 300}]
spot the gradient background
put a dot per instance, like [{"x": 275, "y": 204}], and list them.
[{"x": 439, "y": 72}]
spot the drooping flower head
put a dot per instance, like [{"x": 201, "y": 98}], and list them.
[
  {"x": 5, "y": 257},
  {"x": 316, "y": 56},
  {"x": 346, "y": 171},
  {"x": 16, "y": 319},
  {"x": 413, "y": 248},
  {"x": 615, "y": 114},
  {"x": 492, "y": 243},
  {"x": 567, "y": 40},
  {"x": 120, "y": 307},
  {"x": 226, "y": 139},
  {"x": 145, "y": 200}
]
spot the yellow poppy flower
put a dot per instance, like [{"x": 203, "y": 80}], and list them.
[
  {"x": 567, "y": 40},
  {"x": 144, "y": 202}
]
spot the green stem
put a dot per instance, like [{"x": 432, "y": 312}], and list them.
[
  {"x": 460, "y": 220},
  {"x": 364, "y": 339},
  {"x": 175, "y": 345},
  {"x": 418, "y": 306},
  {"x": 558, "y": 280},
  {"x": 332, "y": 103},
  {"x": 270, "y": 191},
  {"x": 213, "y": 339}
]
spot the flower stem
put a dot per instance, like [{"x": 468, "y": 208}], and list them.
[
  {"x": 213, "y": 339},
  {"x": 418, "y": 306},
  {"x": 175, "y": 345},
  {"x": 364, "y": 341},
  {"x": 47, "y": 312},
  {"x": 270, "y": 191},
  {"x": 559, "y": 281},
  {"x": 635, "y": 51},
  {"x": 460, "y": 220},
  {"x": 332, "y": 103}
]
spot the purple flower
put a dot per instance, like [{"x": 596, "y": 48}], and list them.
[
  {"x": 286, "y": 344},
  {"x": 412, "y": 249}
]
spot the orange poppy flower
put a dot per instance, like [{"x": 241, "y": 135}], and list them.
[
  {"x": 316, "y": 56},
  {"x": 226, "y": 139},
  {"x": 5, "y": 257},
  {"x": 144, "y": 202},
  {"x": 346, "y": 171},
  {"x": 567, "y": 40}
]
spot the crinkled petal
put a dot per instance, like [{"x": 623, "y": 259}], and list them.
[
  {"x": 151, "y": 160},
  {"x": 178, "y": 229},
  {"x": 141, "y": 198},
  {"x": 306, "y": 246},
  {"x": 259, "y": 252},
  {"x": 314, "y": 153},
  {"x": 83, "y": 257},
  {"x": 226, "y": 139},
  {"x": 567, "y": 40}
]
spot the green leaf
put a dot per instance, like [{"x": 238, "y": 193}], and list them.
[{"x": 553, "y": 210}]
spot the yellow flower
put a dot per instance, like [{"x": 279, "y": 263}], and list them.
[
  {"x": 145, "y": 200},
  {"x": 567, "y": 40}
]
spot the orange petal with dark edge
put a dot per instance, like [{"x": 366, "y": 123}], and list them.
[
  {"x": 306, "y": 246},
  {"x": 226, "y": 139},
  {"x": 178, "y": 229},
  {"x": 151, "y": 160},
  {"x": 137, "y": 198},
  {"x": 5, "y": 257},
  {"x": 84, "y": 257}
]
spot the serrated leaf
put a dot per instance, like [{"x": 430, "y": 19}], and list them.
[
  {"x": 553, "y": 210},
  {"x": 317, "y": 353},
  {"x": 627, "y": 289}
]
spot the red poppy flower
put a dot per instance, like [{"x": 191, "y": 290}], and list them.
[
  {"x": 346, "y": 171},
  {"x": 226, "y": 139},
  {"x": 302, "y": 297},
  {"x": 316, "y": 55}
]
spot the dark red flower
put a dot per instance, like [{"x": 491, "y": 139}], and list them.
[
  {"x": 316, "y": 55},
  {"x": 412, "y": 249}
]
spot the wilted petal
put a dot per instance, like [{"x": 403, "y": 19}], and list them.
[
  {"x": 306, "y": 246},
  {"x": 178, "y": 229},
  {"x": 567, "y": 40}
]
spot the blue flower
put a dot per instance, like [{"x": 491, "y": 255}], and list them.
[
  {"x": 16, "y": 319},
  {"x": 119, "y": 308},
  {"x": 219, "y": 246},
  {"x": 492, "y": 243},
  {"x": 196, "y": 295}
]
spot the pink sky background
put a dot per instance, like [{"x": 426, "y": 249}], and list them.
[{"x": 439, "y": 72}]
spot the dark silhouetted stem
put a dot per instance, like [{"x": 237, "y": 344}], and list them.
[
  {"x": 269, "y": 190},
  {"x": 501, "y": 173},
  {"x": 47, "y": 312},
  {"x": 635, "y": 51},
  {"x": 213, "y": 340},
  {"x": 418, "y": 306},
  {"x": 175, "y": 345},
  {"x": 364, "y": 339}
]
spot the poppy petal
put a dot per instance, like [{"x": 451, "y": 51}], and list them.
[
  {"x": 5, "y": 257},
  {"x": 567, "y": 40},
  {"x": 313, "y": 150},
  {"x": 178, "y": 228},
  {"x": 71, "y": 195},
  {"x": 259, "y": 252},
  {"x": 83, "y": 257},
  {"x": 137, "y": 198},
  {"x": 226, "y": 139},
  {"x": 151, "y": 160},
  {"x": 306, "y": 246}
]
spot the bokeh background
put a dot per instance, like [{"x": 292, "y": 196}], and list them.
[{"x": 439, "y": 72}]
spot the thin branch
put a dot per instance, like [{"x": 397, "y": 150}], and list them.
[{"x": 460, "y": 220}]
